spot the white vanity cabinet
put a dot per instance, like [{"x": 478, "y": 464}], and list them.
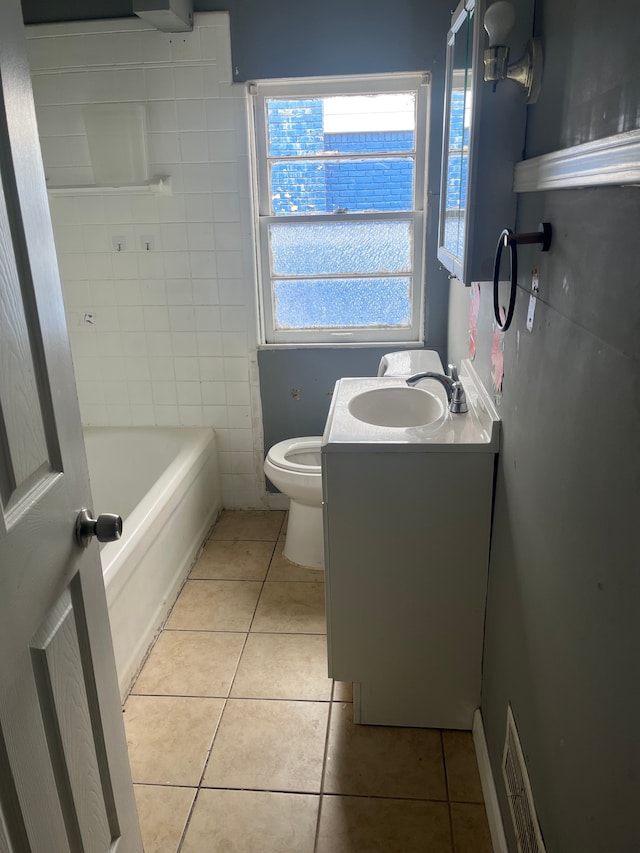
[{"x": 407, "y": 524}]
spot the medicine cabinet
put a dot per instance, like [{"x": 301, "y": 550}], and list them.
[{"x": 483, "y": 139}]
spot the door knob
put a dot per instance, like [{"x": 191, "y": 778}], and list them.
[{"x": 107, "y": 527}]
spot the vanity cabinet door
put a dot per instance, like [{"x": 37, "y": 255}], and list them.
[{"x": 405, "y": 598}]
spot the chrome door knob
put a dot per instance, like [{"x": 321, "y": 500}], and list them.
[{"x": 107, "y": 527}]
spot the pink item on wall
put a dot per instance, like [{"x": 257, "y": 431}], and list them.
[
  {"x": 474, "y": 310},
  {"x": 497, "y": 353}
]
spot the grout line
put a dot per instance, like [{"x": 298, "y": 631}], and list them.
[
  {"x": 310, "y": 793},
  {"x": 446, "y": 780},
  {"x": 321, "y": 794},
  {"x": 324, "y": 767},
  {"x": 300, "y": 792},
  {"x": 444, "y": 763},
  {"x": 261, "y": 590},
  {"x": 187, "y": 822},
  {"x": 453, "y": 840},
  {"x": 200, "y": 631},
  {"x": 162, "y": 627},
  {"x": 231, "y": 683},
  {"x": 210, "y": 631}
]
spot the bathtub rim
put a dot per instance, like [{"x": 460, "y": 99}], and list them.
[{"x": 119, "y": 559}]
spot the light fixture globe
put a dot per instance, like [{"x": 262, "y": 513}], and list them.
[{"x": 499, "y": 20}]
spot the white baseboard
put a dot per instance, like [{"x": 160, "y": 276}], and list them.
[{"x": 494, "y": 816}]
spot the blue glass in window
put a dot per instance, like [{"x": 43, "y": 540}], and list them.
[
  {"x": 295, "y": 127},
  {"x": 359, "y": 124},
  {"x": 329, "y": 248},
  {"x": 342, "y": 303},
  {"x": 350, "y": 185}
]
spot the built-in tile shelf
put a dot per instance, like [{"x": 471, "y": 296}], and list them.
[{"x": 158, "y": 185}]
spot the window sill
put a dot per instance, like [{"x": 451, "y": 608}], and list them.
[{"x": 346, "y": 345}]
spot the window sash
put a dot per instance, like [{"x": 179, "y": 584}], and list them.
[
  {"x": 292, "y": 89},
  {"x": 272, "y": 335}
]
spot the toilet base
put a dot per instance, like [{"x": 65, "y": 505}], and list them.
[{"x": 304, "y": 544}]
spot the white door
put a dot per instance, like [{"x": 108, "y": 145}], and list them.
[{"x": 65, "y": 783}]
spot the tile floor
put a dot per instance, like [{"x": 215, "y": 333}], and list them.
[{"x": 239, "y": 743}]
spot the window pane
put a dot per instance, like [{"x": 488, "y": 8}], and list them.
[
  {"x": 328, "y": 248},
  {"x": 344, "y": 303},
  {"x": 328, "y": 186},
  {"x": 302, "y": 127},
  {"x": 294, "y": 127}
]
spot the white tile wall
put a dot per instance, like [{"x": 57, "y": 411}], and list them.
[{"x": 165, "y": 336}]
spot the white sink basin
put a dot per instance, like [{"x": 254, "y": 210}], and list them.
[{"x": 397, "y": 406}]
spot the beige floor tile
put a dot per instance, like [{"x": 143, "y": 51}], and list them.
[
  {"x": 283, "y": 570},
  {"x": 358, "y": 824},
  {"x": 252, "y": 822},
  {"x": 470, "y": 828},
  {"x": 163, "y": 813},
  {"x": 283, "y": 666},
  {"x": 269, "y": 745},
  {"x": 215, "y": 606},
  {"x": 383, "y": 761},
  {"x": 463, "y": 778},
  {"x": 249, "y": 524},
  {"x": 291, "y": 608},
  {"x": 191, "y": 663},
  {"x": 169, "y": 737},
  {"x": 342, "y": 691},
  {"x": 233, "y": 560}
]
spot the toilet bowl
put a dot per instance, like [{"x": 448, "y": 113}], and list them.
[{"x": 293, "y": 466}]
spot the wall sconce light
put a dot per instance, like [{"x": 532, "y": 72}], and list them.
[{"x": 498, "y": 22}]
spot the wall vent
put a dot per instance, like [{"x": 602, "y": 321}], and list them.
[{"x": 516, "y": 779}]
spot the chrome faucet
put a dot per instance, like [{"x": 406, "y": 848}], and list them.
[{"x": 451, "y": 384}]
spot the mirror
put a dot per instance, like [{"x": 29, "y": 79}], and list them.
[{"x": 457, "y": 130}]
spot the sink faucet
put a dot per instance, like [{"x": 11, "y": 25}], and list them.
[{"x": 451, "y": 384}]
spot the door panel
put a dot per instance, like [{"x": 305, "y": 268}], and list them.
[
  {"x": 65, "y": 783},
  {"x": 23, "y": 443},
  {"x": 23, "y": 428},
  {"x": 72, "y": 727}
]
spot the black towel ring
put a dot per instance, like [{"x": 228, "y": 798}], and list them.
[{"x": 510, "y": 240}]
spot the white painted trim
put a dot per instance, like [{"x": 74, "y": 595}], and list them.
[
  {"x": 494, "y": 816},
  {"x": 260, "y": 91},
  {"x": 614, "y": 160}
]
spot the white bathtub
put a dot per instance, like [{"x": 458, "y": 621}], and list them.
[{"x": 165, "y": 484}]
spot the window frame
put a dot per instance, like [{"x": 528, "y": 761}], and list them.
[{"x": 328, "y": 87}]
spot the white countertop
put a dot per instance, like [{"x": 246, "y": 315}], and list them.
[{"x": 476, "y": 431}]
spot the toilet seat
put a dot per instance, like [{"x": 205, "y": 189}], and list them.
[{"x": 280, "y": 453}]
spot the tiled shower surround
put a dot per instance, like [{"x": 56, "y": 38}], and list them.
[{"x": 164, "y": 336}]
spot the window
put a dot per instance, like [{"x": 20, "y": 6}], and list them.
[{"x": 340, "y": 173}]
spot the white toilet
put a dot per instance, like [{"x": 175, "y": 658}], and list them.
[{"x": 293, "y": 466}]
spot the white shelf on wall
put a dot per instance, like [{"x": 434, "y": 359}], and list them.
[
  {"x": 611, "y": 161},
  {"x": 158, "y": 185}
]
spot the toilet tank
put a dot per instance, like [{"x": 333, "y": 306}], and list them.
[{"x": 408, "y": 362}]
